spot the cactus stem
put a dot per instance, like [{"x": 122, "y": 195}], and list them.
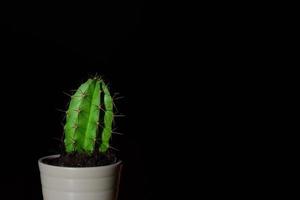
[
  {"x": 75, "y": 96},
  {"x": 88, "y": 123},
  {"x": 100, "y": 107},
  {"x": 83, "y": 94},
  {"x": 92, "y": 139},
  {"x": 75, "y": 126},
  {"x": 81, "y": 91},
  {"x": 77, "y": 110},
  {"x": 72, "y": 141}
]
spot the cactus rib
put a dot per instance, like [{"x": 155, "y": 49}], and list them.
[
  {"x": 83, "y": 116},
  {"x": 108, "y": 119}
]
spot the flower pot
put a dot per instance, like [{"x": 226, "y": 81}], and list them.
[{"x": 85, "y": 183}]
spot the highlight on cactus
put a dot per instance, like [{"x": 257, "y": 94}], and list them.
[{"x": 89, "y": 119}]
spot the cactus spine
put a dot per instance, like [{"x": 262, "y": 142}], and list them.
[{"x": 83, "y": 118}]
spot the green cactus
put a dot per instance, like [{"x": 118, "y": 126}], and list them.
[{"x": 83, "y": 115}]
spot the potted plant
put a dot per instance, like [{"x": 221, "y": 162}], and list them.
[{"x": 87, "y": 169}]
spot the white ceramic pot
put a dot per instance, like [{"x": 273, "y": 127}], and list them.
[{"x": 87, "y": 183}]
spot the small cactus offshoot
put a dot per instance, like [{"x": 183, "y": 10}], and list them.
[{"x": 86, "y": 131}]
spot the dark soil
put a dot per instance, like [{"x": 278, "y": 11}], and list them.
[{"x": 82, "y": 160}]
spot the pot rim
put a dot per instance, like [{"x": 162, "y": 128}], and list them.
[{"x": 40, "y": 161}]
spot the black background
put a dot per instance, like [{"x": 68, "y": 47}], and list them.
[
  {"x": 49, "y": 50},
  {"x": 186, "y": 76}
]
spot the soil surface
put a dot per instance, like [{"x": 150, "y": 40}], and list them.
[{"x": 82, "y": 160}]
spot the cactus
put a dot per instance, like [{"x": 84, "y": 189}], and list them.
[{"x": 83, "y": 118}]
